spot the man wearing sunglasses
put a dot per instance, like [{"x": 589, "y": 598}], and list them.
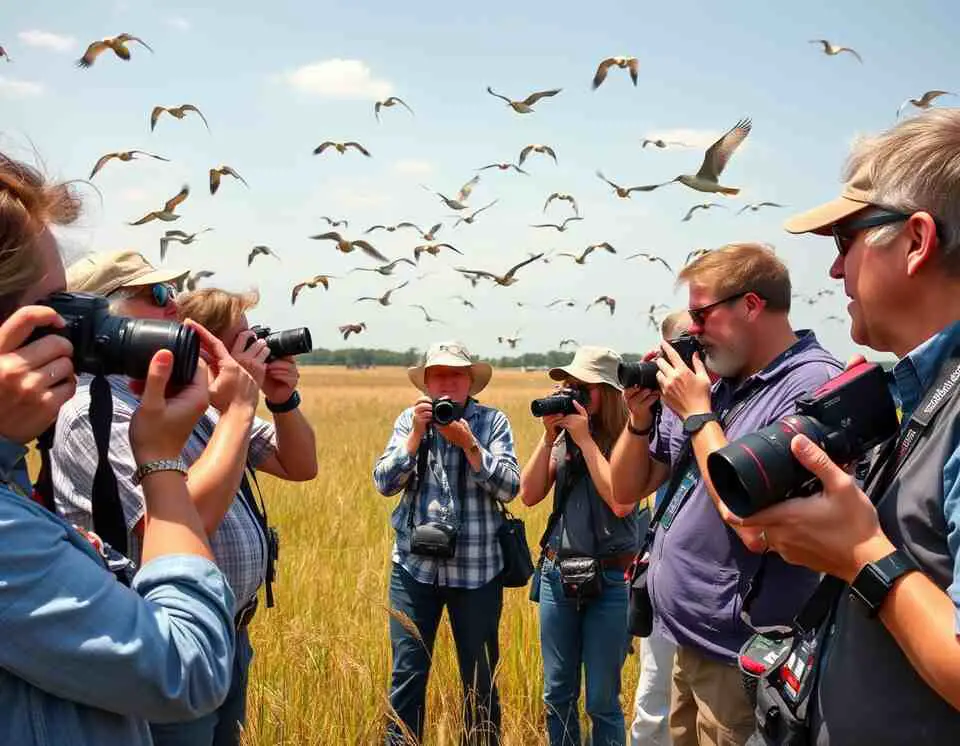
[
  {"x": 889, "y": 672},
  {"x": 700, "y": 569}
]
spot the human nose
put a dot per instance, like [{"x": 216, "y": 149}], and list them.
[{"x": 836, "y": 269}]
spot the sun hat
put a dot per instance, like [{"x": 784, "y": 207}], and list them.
[
  {"x": 107, "y": 272},
  {"x": 591, "y": 365},
  {"x": 452, "y": 354},
  {"x": 857, "y": 193}
]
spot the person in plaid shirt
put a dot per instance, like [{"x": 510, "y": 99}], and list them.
[{"x": 474, "y": 453}]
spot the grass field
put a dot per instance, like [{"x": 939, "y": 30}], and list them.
[{"x": 322, "y": 662}]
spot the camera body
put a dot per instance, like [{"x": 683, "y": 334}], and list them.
[
  {"x": 286, "y": 343},
  {"x": 846, "y": 417},
  {"x": 644, "y": 374},
  {"x": 446, "y": 410},
  {"x": 108, "y": 345},
  {"x": 560, "y": 402},
  {"x": 434, "y": 539}
]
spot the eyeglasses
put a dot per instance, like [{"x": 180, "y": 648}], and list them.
[
  {"x": 846, "y": 233},
  {"x": 161, "y": 293},
  {"x": 699, "y": 315}
]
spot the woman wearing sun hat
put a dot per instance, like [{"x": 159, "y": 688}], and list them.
[{"x": 583, "y": 624}]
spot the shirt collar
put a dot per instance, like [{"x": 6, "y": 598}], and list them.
[
  {"x": 914, "y": 373},
  {"x": 806, "y": 340},
  {"x": 11, "y": 455}
]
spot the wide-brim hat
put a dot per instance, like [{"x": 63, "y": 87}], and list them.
[
  {"x": 857, "y": 194},
  {"x": 452, "y": 355},
  {"x": 591, "y": 365},
  {"x": 108, "y": 272}
]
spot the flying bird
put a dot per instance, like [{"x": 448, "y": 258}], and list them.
[
  {"x": 313, "y": 282},
  {"x": 5, "y": 55},
  {"x": 658, "y": 143},
  {"x": 504, "y": 280},
  {"x": 834, "y": 317},
  {"x": 582, "y": 258},
  {"x": 651, "y": 258},
  {"x": 925, "y": 101},
  {"x": 463, "y": 301},
  {"x": 388, "y": 103},
  {"x": 177, "y": 112},
  {"x": 832, "y": 49},
  {"x": 624, "y": 63},
  {"x": 426, "y": 315},
  {"x": 754, "y": 206},
  {"x": 561, "y": 227},
  {"x": 701, "y": 206},
  {"x": 651, "y": 315},
  {"x": 347, "y": 246},
  {"x": 167, "y": 214},
  {"x": 715, "y": 160},
  {"x": 525, "y": 106},
  {"x": 433, "y": 249},
  {"x": 512, "y": 341},
  {"x": 504, "y": 167},
  {"x": 537, "y": 148},
  {"x": 216, "y": 173},
  {"x": 390, "y": 228},
  {"x": 181, "y": 237},
  {"x": 124, "y": 156},
  {"x": 340, "y": 147},
  {"x": 563, "y": 198},
  {"x": 197, "y": 277},
  {"x": 460, "y": 203},
  {"x": 430, "y": 235},
  {"x": 611, "y": 303},
  {"x": 335, "y": 223},
  {"x": 260, "y": 250},
  {"x": 385, "y": 269},
  {"x": 384, "y": 300},
  {"x": 568, "y": 302},
  {"x": 624, "y": 192},
  {"x": 694, "y": 255},
  {"x": 565, "y": 342},
  {"x": 117, "y": 43},
  {"x": 473, "y": 216},
  {"x": 347, "y": 329}
]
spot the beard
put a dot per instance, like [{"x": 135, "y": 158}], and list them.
[{"x": 727, "y": 361}]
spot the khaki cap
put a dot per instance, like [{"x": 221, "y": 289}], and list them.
[
  {"x": 592, "y": 365},
  {"x": 107, "y": 272},
  {"x": 857, "y": 193},
  {"x": 452, "y": 354}
]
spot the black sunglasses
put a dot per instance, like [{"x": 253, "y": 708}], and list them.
[
  {"x": 699, "y": 315},
  {"x": 161, "y": 293},
  {"x": 845, "y": 234}
]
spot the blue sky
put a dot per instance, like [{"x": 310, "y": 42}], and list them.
[{"x": 276, "y": 79}]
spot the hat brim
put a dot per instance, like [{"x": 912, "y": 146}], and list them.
[
  {"x": 820, "y": 220},
  {"x": 480, "y": 374},
  {"x": 581, "y": 374},
  {"x": 154, "y": 277}
]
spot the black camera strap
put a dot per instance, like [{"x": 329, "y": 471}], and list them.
[
  {"x": 423, "y": 456},
  {"x": 108, "y": 518},
  {"x": 573, "y": 468}
]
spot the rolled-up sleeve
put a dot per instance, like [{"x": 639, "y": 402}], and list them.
[
  {"x": 395, "y": 467},
  {"x": 499, "y": 473}
]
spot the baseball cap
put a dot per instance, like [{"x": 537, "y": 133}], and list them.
[
  {"x": 107, "y": 272},
  {"x": 591, "y": 365},
  {"x": 857, "y": 193}
]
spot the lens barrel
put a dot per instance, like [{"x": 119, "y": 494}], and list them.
[
  {"x": 289, "y": 342},
  {"x": 642, "y": 374}
]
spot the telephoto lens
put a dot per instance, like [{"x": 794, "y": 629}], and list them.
[
  {"x": 559, "y": 403},
  {"x": 446, "y": 410},
  {"x": 286, "y": 343}
]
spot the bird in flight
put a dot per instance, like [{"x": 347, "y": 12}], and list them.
[
  {"x": 464, "y": 301},
  {"x": 347, "y": 329},
  {"x": 512, "y": 341},
  {"x": 658, "y": 143},
  {"x": 536, "y": 148},
  {"x": 167, "y": 214},
  {"x": 433, "y": 249},
  {"x": 117, "y": 43},
  {"x": 561, "y": 227},
  {"x": 504, "y": 167},
  {"x": 260, "y": 250},
  {"x": 924, "y": 102},
  {"x": 652, "y": 317},
  {"x": 582, "y": 258},
  {"x": 504, "y": 280},
  {"x": 313, "y": 282},
  {"x": 387, "y": 103},
  {"x": 624, "y": 192},
  {"x": 430, "y": 235},
  {"x": 177, "y": 112},
  {"x": 563, "y": 198},
  {"x": 833, "y": 50},
  {"x": 195, "y": 278},
  {"x": 754, "y": 206},
  {"x": 701, "y": 206},
  {"x": 346, "y": 246},
  {"x": 384, "y": 300},
  {"x": 473, "y": 216},
  {"x": 340, "y": 147},
  {"x": 181, "y": 237},
  {"x": 651, "y": 258},
  {"x": 694, "y": 255},
  {"x": 335, "y": 223},
  {"x": 834, "y": 317},
  {"x": 426, "y": 315},
  {"x": 460, "y": 203},
  {"x": 4, "y": 55},
  {"x": 565, "y": 342},
  {"x": 124, "y": 156},
  {"x": 610, "y": 303},
  {"x": 624, "y": 63},
  {"x": 525, "y": 106},
  {"x": 568, "y": 302},
  {"x": 714, "y": 161},
  {"x": 216, "y": 173},
  {"x": 385, "y": 269},
  {"x": 389, "y": 228}
]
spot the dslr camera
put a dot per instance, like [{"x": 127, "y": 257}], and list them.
[
  {"x": 446, "y": 410},
  {"x": 560, "y": 402},
  {"x": 104, "y": 344},
  {"x": 644, "y": 374},
  {"x": 286, "y": 343},
  {"x": 846, "y": 417}
]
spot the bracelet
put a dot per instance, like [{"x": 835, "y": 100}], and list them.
[
  {"x": 288, "y": 406},
  {"x": 163, "y": 464},
  {"x": 641, "y": 433}
]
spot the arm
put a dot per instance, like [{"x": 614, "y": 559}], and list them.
[
  {"x": 295, "y": 456},
  {"x": 497, "y": 471},
  {"x": 634, "y": 473},
  {"x": 540, "y": 473},
  {"x": 398, "y": 463}
]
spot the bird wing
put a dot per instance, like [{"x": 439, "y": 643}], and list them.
[
  {"x": 719, "y": 153},
  {"x": 633, "y": 65},
  {"x": 606, "y": 245},
  {"x": 104, "y": 159},
  {"x": 534, "y": 97},
  {"x": 604, "y": 178},
  {"x": 571, "y": 220},
  {"x": 410, "y": 225},
  {"x": 376, "y": 109},
  {"x": 498, "y": 95},
  {"x": 601, "y": 74},
  {"x": 368, "y": 249},
  {"x": 403, "y": 103},
  {"x": 551, "y": 198},
  {"x": 647, "y": 187},
  {"x": 123, "y": 38},
  {"x": 214, "y": 180},
  {"x": 230, "y": 171},
  {"x": 93, "y": 51},
  {"x": 663, "y": 262},
  {"x": 155, "y": 115},
  {"x": 929, "y": 96},
  {"x": 485, "y": 207},
  {"x": 550, "y": 151},
  {"x": 524, "y": 263},
  {"x": 172, "y": 203},
  {"x": 524, "y": 153},
  {"x": 328, "y": 236},
  {"x": 690, "y": 213},
  {"x": 191, "y": 107},
  {"x": 770, "y": 204},
  {"x": 854, "y": 52},
  {"x": 449, "y": 246},
  {"x": 545, "y": 225},
  {"x": 296, "y": 291},
  {"x": 467, "y": 188},
  {"x": 434, "y": 229},
  {"x": 358, "y": 146},
  {"x": 823, "y": 42},
  {"x": 323, "y": 146}
]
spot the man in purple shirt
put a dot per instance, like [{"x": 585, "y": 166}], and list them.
[{"x": 700, "y": 568}]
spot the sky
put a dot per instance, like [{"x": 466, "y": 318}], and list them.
[{"x": 276, "y": 79}]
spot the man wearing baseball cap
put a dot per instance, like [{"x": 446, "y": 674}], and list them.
[
  {"x": 889, "y": 664},
  {"x": 453, "y": 459}
]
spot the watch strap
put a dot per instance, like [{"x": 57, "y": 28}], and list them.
[
  {"x": 163, "y": 464},
  {"x": 288, "y": 406},
  {"x": 640, "y": 433},
  {"x": 875, "y": 579},
  {"x": 694, "y": 423}
]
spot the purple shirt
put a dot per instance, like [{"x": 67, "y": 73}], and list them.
[{"x": 699, "y": 568}]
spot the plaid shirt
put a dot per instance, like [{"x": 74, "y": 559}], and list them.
[
  {"x": 239, "y": 546},
  {"x": 477, "y": 560}
]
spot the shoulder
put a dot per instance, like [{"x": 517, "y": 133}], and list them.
[{"x": 491, "y": 414}]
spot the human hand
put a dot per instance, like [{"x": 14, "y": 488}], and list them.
[
  {"x": 685, "y": 390},
  {"x": 229, "y": 382},
  {"x": 251, "y": 354},
  {"x": 551, "y": 426},
  {"x": 459, "y": 433},
  {"x": 422, "y": 415},
  {"x": 35, "y": 379},
  {"x": 280, "y": 380},
  {"x": 577, "y": 425}
]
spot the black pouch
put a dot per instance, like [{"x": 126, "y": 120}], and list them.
[
  {"x": 777, "y": 725},
  {"x": 581, "y": 577},
  {"x": 517, "y": 561},
  {"x": 434, "y": 539},
  {"x": 639, "y": 605}
]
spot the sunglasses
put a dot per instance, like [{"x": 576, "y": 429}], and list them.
[
  {"x": 699, "y": 315},
  {"x": 845, "y": 234},
  {"x": 161, "y": 294}
]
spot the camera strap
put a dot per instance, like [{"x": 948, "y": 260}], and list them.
[
  {"x": 108, "y": 519},
  {"x": 573, "y": 468},
  {"x": 423, "y": 456}
]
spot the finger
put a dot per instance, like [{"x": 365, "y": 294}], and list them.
[
  {"x": 854, "y": 361},
  {"x": 650, "y": 355},
  {"x": 698, "y": 367},
  {"x": 579, "y": 407},
  {"x": 672, "y": 355},
  {"x": 664, "y": 366},
  {"x": 158, "y": 375},
  {"x": 209, "y": 340},
  {"x": 56, "y": 396},
  {"x": 242, "y": 342},
  {"x": 44, "y": 350},
  {"x": 262, "y": 354},
  {"x": 816, "y": 461},
  {"x": 49, "y": 375},
  {"x": 22, "y": 323}
]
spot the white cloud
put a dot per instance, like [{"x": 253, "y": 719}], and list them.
[
  {"x": 47, "y": 40},
  {"x": 133, "y": 194},
  {"x": 692, "y": 137},
  {"x": 19, "y": 88},
  {"x": 413, "y": 167},
  {"x": 179, "y": 23},
  {"x": 339, "y": 79}
]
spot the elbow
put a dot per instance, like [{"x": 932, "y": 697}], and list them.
[
  {"x": 304, "y": 473},
  {"x": 622, "y": 498},
  {"x": 529, "y": 498}
]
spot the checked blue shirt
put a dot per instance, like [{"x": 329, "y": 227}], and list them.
[{"x": 478, "y": 559}]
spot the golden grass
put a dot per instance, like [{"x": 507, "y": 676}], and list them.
[{"x": 322, "y": 663}]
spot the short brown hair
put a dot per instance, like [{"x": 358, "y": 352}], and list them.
[
  {"x": 742, "y": 268},
  {"x": 216, "y": 309},
  {"x": 28, "y": 204},
  {"x": 672, "y": 320}
]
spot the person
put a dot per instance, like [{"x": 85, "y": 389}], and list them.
[
  {"x": 651, "y": 702},
  {"x": 227, "y": 444},
  {"x": 739, "y": 303},
  {"x": 583, "y": 633},
  {"x": 894, "y": 645},
  {"x": 85, "y": 659},
  {"x": 452, "y": 477}
]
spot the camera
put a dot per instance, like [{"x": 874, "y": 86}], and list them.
[
  {"x": 446, "y": 410},
  {"x": 846, "y": 417},
  {"x": 644, "y": 374},
  {"x": 107, "y": 344},
  {"x": 434, "y": 539},
  {"x": 286, "y": 343},
  {"x": 560, "y": 402}
]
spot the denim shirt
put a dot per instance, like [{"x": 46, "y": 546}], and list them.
[{"x": 87, "y": 661}]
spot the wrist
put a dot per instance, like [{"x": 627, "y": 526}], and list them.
[
  {"x": 873, "y": 549},
  {"x": 287, "y": 404},
  {"x": 640, "y": 422}
]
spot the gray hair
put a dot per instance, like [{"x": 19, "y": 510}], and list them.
[
  {"x": 120, "y": 296},
  {"x": 673, "y": 320},
  {"x": 915, "y": 166}
]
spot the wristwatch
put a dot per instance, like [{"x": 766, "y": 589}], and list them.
[
  {"x": 163, "y": 464},
  {"x": 287, "y": 406},
  {"x": 876, "y": 579},
  {"x": 695, "y": 422}
]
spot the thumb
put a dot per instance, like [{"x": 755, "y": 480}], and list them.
[
  {"x": 815, "y": 460},
  {"x": 579, "y": 406},
  {"x": 158, "y": 376},
  {"x": 15, "y": 331},
  {"x": 698, "y": 367}
]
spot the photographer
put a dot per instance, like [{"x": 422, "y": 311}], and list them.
[
  {"x": 700, "y": 570},
  {"x": 889, "y": 672},
  {"x": 86, "y": 660},
  {"x": 447, "y": 553},
  {"x": 583, "y": 619},
  {"x": 224, "y": 442}
]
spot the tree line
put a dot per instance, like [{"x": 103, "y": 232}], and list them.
[{"x": 364, "y": 357}]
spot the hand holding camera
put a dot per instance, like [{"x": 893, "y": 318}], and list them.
[
  {"x": 229, "y": 381},
  {"x": 684, "y": 386}
]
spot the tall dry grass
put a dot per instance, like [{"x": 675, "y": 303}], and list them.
[{"x": 322, "y": 663}]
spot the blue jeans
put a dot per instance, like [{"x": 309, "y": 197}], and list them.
[
  {"x": 222, "y": 726},
  {"x": 475, "y": 621},
  {"x": 593, "y": 637}
]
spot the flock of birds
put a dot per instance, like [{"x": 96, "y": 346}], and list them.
[{"x": 706, "y": 180}]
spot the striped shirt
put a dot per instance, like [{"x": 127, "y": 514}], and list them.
[
  {"x": 478, "y": 559},
  {"x": 239, "y": 545}
]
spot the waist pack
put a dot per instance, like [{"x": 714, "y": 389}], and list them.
[{"x": 581, "y": 577}]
